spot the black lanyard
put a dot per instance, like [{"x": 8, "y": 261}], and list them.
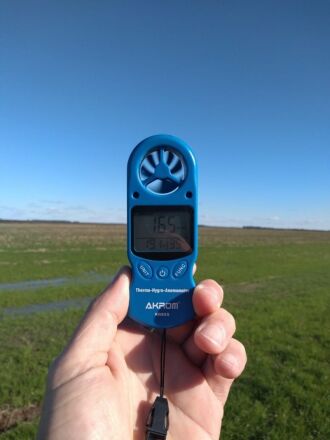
[{"x": 158, "y": 421}]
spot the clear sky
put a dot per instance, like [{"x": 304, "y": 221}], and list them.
[{"x": 245, "y": 83}]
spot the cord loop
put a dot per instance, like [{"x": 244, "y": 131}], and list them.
[{"x": 158, "y": 421}]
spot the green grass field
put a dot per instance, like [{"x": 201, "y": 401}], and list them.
[{"x": 277, "y": 285}]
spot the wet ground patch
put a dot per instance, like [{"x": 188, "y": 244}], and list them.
[{"x": 85, "y": 278}]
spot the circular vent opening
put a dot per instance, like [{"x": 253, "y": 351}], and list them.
[{"x": 162, "y": 170}]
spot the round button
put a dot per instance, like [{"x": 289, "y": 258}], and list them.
[
  {"x": 162, "y": 272},
  {"x": 144, "y": 269},
  {"x": 180, "y": 269}
]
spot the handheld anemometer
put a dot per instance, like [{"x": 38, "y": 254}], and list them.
[{"x": 162, "y": 231}]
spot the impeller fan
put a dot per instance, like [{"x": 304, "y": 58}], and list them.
[{"x": 162, "y": 170}]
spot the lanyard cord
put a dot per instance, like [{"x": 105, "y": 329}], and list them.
[
  {"x": 162, "y": 363},
  {"x": 157, "y": 423}
]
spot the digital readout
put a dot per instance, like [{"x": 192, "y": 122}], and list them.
[{"x": 162, "y": 229}]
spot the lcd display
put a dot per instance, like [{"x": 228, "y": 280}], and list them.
[{"x": 162, "y": 229}]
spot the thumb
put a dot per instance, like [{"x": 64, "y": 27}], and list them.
[{"x": 93, "y": 337}]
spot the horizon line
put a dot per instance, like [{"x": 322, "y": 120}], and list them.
[{"x": 4, "y": 220}]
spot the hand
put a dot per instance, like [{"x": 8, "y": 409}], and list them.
[{"x": 103, "y": 385}]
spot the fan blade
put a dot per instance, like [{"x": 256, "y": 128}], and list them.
[
  {"x": 161, "y": 156},
  {"x": 156, "y": 186},
  {"x": 150, "y": 158},
  {"x": 149, "y": 180},
  {"x": 145, "y": 171},
  {"x": 175, "y": 179},
  {"x": 167, "y": 186},
  {"x": 170, "y": 158},
  {"x": 177, "y": 167}
]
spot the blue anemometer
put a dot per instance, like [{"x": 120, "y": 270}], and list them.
[{"x": 162, "y": 231}]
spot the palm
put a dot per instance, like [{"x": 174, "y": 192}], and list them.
[{"x": 194, "y": 409}]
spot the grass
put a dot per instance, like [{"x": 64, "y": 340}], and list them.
[
  {"x": 277, "y": 285},
  {"x": 284, "y": 392},
  {"x": 17, "y": 298}
]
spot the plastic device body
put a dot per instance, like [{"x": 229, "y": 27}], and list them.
[{"x": 161, "y": 289}]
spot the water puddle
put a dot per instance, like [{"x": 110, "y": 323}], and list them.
[
  {"x": 85, "y": 278},
  {"x": 48, "y": 307},
  {"x": 74, "y": 303}
]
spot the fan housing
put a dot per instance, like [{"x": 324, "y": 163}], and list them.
[{"x": 163, "y": 170}]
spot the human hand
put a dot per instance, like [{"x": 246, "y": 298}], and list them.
[{"x": 103, "y": 384}]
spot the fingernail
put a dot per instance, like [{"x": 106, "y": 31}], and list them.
[
  {"x": 211, "y": 293},
  {"x": 214, "y": 295},
  {"x": 229, "y": 360},
  {"x": 213, "y": 333}
]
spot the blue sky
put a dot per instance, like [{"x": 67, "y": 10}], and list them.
[{"x": 245, "y": 83}]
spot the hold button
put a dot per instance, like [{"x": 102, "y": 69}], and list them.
[
  {"x": 144, "y": 269},
  {"x": 180, "y": 269}
]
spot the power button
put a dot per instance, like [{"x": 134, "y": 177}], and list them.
[{"x": 162, "y": 272}]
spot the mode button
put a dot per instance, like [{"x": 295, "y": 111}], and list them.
[{"x": 180, "y": 269}]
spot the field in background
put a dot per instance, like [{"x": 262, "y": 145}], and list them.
[{"x": 277, "y": 285}]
